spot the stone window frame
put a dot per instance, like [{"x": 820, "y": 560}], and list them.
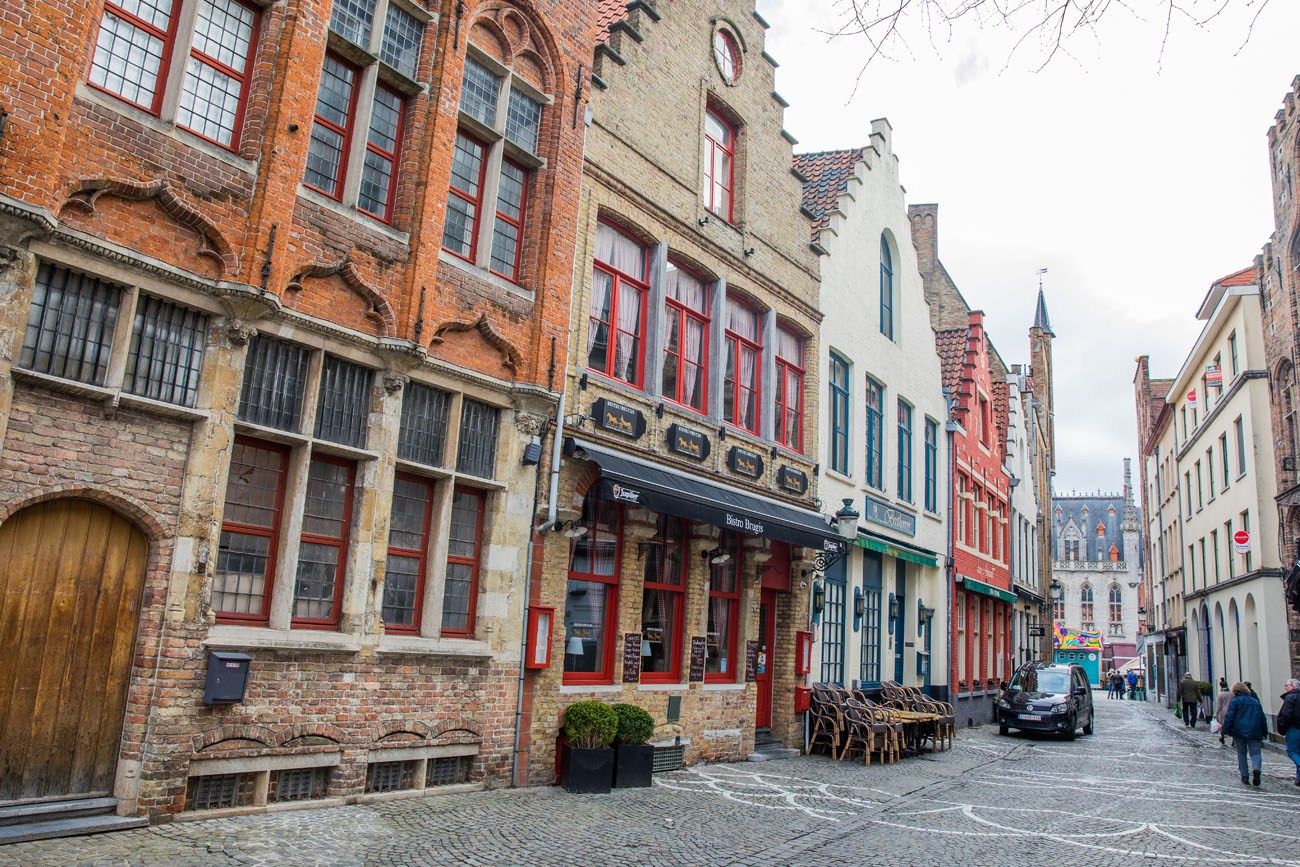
[
  {"x": 499, "y": 149},
  {"x": 178, "y": 42},
  {"x": 786, "y": 368},
  {"x": 712, "y": 145},
  {"x": 679, "y": 593},
  {"x": 610, "y": 611},
  {"x": 112, "y": 392},
  {"x": 372, "y": 74}
]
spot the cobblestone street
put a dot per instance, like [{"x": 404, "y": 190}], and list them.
[{"x": 1140, "y": 791}]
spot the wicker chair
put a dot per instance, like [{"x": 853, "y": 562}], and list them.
[{"x": 828, "y": 724}]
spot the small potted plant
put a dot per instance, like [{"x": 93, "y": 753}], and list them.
[
  {"x": 636, "y": 758},
  {"x": 590, "y": 727}
]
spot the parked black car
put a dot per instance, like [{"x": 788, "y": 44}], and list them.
[{"x": 1046, "y": 697}]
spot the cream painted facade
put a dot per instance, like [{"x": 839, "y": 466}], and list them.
[
  {"x": 1234, "y": 607},
  {"x": 876, "y": 646},
  {"x": 1166, "y": 615}
]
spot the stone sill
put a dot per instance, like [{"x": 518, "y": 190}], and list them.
[
  {"x": 724, "y": 687},
  {"x": 262, "y": 638},
  {"x": 579, "y": 688},
  {"x": 416, "y": 646}
]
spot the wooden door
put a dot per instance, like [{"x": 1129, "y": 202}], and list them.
[
  {"x": 763, "y": 668},
  {"x": 71, "y": 575}
]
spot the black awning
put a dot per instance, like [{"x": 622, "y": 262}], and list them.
[{"x": 628, "y": 480}]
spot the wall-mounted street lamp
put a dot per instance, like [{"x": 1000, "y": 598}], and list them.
[
  {"x": 846, "y": 520},
  {"x": 859, "y": 606}
]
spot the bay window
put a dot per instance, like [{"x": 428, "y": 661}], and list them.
[
  {"x": 497, "y": 140},
  {"x": 141, "y": 54},
  {"x": 591, "y": 597},
  {"x": 724, "y": 610},
  {"x": 789, "y": 389},
  {"x": 686, "y": 338},
  {"x": 358, "y": 95},
  {"x": 875, "y": 434},
  {"x": 663, "y": 602},
  {"x": 719, "y": 164},
  {"x": 742, "y": 378},
  {"x": 619, "y": 294}
]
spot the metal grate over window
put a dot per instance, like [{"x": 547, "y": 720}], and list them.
[
  {"x": 275, "y": 377},
  {"x": 70, "y": 325},
  {"x": 390, "y": 776},
  {"x": 449, "y": 770},
  {"x": 219, "y": 791},
  {"x": 166, "y": 354},
  {"x": 344, "y": 402},
  {"x": 668, "y": 759},
  {"x": 298, "y": 784},
  {"x": 477, "y": 454},
  {"x": 423, "y": 432}
]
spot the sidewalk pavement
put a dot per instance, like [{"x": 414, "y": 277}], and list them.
[{"x": 1201, "y": 735}]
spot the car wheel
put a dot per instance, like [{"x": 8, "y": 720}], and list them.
[
  {"x": 1087, "y": 729},
  {"x": 1003, "y": 729},
  {"x": 1072, "y": 732}
]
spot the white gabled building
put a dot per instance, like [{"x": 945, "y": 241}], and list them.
[{"x": 883, "y": 445}]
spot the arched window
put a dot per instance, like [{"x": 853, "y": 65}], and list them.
[
  {"x": 1085, "y": 605},
  {"x": 1116, "y": 604},
  {"x": 886, "y": 289}
]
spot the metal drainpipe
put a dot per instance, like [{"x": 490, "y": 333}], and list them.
[
  {"x": 558, "y": 423},
  {"x": 951, "y": 576}
]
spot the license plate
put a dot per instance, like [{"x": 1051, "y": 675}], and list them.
[{"x": 1028, "y": 716}]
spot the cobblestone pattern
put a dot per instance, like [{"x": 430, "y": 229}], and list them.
[{"x": 1138, "y": 792}]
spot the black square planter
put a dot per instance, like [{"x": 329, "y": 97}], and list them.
[
  {"x": 589, "y": 771},
  {"x": 635, "y": 766}
]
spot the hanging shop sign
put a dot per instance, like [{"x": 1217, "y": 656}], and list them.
[
  {"x": 617, "y": 418},
  {"x": 792, "y": 480},
  {"x": 744, "y": 462},
  {"x": 687, "y": 443}
]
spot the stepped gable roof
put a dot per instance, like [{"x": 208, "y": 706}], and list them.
[
  {"x": 951, "y": 344},
  {"x": 608, "y": 12},
  {"x": 1071, "y": 508},
  {"x": 828, "y": 174}
]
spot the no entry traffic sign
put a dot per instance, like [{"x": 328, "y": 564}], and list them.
[{"x": 1241, "y": 541}]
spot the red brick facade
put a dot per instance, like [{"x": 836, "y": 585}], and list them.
[{"x": 95, "y": 184}]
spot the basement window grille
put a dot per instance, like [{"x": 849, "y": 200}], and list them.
[
  {"x": 390, "y": 776},
  {"x": 298, "y": 784},
  {"x": 423, "y": 432},
  {"x": 166, "y": 354},
  {"x": 70, "y": 325},
  {"x": 275, "y": 377},
  {"x": 449, "y": 770},
  {"x": 219, "y": 791},
  {"x": 668, "y": 759},
  {"x": 344, "y": 403}
]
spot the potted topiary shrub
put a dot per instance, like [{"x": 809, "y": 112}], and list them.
[
  {"x": 636, "y": 758},
  {"x": 590, "y": 727}
]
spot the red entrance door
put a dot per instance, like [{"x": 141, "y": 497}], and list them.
[{"x": 766, "y": 646}]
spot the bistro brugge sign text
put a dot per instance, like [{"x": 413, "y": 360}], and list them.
[
  {"x": 743, "y": 523},
  {"x": 879, "y": 512},
  {"x": 745, "y": 462},
  {"x": 617, "y": 418},
  {"x": 687, "y": 442}
]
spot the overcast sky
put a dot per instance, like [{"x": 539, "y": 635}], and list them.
[{"x": 1136, "y": 182}]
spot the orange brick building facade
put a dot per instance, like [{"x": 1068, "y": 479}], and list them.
[{"x": 285, "y": 301}]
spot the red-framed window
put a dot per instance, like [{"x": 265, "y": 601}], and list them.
[
  {"x": 723, "y": 631},
  {"x": 789, "y": 389},
  {"x": 508, "y": 231},
  {"x": 464, "y": 549},
  {"x": 383, "y": 150},
  {"x": 591, "y": 593},
  {"x": 465, "y": 198},
  {"x": 619, "y": 292},
  {"x": 408, "y": 545},
  {"x": 214, "y": 95},
  {"x": 250, "y": 530},
  {"x": 133, "y": 51},
  {"x": 686, "y": 338},
  {"x": 663, "y": 602},
  {"x": 743, "y": 374},
  {"x": 323, "y": 547},
  {"x": 719, "y": 164},
  {"x": 331, "y": 132}
]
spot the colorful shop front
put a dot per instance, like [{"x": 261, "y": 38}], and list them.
[{"x": 1078, "y": 647}]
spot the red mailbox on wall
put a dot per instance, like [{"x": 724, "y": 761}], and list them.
[
  {"x": 802, "y": 698},
  {"x": 802, "y": 652},
  {"x": 541, "y": 621}
]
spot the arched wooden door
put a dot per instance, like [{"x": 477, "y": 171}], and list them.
[{"x": 71, "y": 576}]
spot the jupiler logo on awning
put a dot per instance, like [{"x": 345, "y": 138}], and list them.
[{"x": 625, "y": 495}]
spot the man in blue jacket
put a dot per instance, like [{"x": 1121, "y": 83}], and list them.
[
  {"x": 1246, "y": 722},
  {"x": 1288, "y": 722}
]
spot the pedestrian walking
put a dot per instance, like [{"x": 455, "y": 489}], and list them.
[
  {"x": 1245, "y": 721},
  {"x": 1221, "y": 702},
  {"x": 1110, "y": 683},
  {"x": 1132, "y": 684},
  {"x": 1250, "y": 690},
  {"x": 1288, "y": 722},
  {"x": 1190, "y": 696},
  {"x": 1117, "y": 684}
]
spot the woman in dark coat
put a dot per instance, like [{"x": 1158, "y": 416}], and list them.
[{"x": 1246, "y": 722}]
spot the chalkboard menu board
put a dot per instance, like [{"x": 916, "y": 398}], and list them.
[
  {"x": 699, "y": 650},
  {"x": 632, "y": 657},
  {"x": 751, "y": 661}
]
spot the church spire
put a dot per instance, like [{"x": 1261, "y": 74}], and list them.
[{"x": 1040, "y": 315}]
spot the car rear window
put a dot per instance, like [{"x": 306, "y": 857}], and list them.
[{"x": 1034, "y": 680}]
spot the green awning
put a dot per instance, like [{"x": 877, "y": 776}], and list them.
[
  {"x": 974, "y": 586},
  {"x": 873, "y": 544}
]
